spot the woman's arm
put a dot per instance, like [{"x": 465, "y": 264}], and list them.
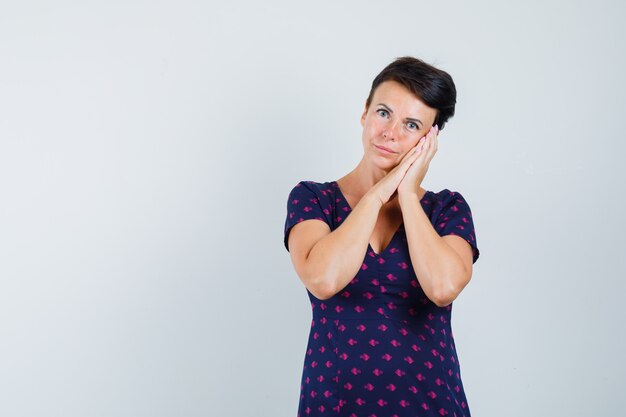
[
  {"x": 326, "y": 265},
  {"x": 442, "y": 271}
]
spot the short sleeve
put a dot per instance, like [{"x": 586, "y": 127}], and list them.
[
  {"x": 303, "y": 204},
  {"x": 456, "y": 219}
]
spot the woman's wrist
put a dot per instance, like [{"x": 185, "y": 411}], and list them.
[
  {"x": 372, "y": 198},
  {"x": 410, "y": 198}
]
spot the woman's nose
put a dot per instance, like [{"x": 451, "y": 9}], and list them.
[{"x": 390, "y": 131}]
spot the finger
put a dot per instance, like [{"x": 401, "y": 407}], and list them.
[
  {"x": 406, "y": 156},
  {"x": 424, "y": 150},
  {"x": 425, "y": 138},
  {"x": 406, "y": 160},
  {"x": 410, "y": 153},
  {"x": 435, "y": 139},
  {"x": 414, "y": 154},
  {"x": 417, "y": 145},
  {"x": 431, "y": 135},
  {"x": 420, "y": 145},
  {"x": 419, "y": 148},
  {"x": 431, "y": 146}
]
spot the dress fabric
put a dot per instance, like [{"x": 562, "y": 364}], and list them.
[{"x": 380, "y": 347}]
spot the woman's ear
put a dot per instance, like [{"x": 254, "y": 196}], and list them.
[{"x": 363, "y": 116}]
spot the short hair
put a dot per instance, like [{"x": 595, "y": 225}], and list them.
[{"x": 431, "y": 85}]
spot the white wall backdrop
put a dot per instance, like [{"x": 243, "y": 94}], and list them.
[{"x": 147, "y": 149}]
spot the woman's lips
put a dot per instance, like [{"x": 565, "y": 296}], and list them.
[{"x": 383, "y": 149}]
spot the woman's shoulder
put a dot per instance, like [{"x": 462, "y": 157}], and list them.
[
  {"x": 446, "y": 194},
  {"x": 312, "y": 183},
  {"x": 447, "y": 201},
  {"x": 322, "y": 194},
  {"x": 316, "y": 187},
  {"x": 448, "y": 198}
]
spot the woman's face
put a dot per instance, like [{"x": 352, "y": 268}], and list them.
[{"x": 396, "y": 120}]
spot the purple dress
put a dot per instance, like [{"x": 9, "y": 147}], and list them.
[{"x": 380, "y": 347}]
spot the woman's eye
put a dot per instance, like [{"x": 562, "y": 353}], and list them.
[
  {"x": 412, "y": 126},
  {"x": 383, "y": 111}
]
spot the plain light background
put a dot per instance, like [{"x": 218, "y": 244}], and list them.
[{"x": 147, "y": 149}]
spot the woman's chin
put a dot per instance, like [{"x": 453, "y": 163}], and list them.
[{"x": 384, "y": 164}]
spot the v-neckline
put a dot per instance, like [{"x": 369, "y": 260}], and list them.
[{"x": 369, "y": 245}]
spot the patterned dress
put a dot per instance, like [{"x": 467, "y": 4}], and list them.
[{"x": 380, "y": 347}]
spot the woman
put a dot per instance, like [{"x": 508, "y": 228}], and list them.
[{"x": 382, "y": 260}]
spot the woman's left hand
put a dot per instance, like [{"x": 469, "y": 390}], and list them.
[{"x": 425, "y": 150}]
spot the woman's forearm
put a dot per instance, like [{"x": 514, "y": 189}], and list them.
[
  {"x": 435, "y": 263},
  {"x": 338, "y": 256}
]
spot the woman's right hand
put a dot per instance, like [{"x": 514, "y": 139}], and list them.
[{"x": 385, "y": 189}]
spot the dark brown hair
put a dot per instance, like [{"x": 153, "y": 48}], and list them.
[{"x": 431, "y": 85}]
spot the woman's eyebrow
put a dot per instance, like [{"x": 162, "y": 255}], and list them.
[{"x": 408, "y": 118}]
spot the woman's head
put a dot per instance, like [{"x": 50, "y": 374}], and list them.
[
  {"x": 406, "y": 99},
  {"x": 431, "y": 85}
]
